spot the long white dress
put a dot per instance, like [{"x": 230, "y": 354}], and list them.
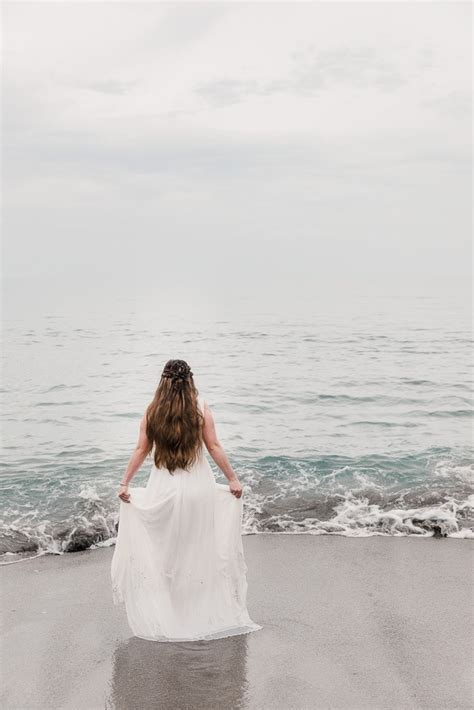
[{"x": 178, "y": 564}]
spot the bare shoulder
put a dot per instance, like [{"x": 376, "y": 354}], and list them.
[
  {"x": 208, "y": 418},
  {"x": 209, "y": 428}
]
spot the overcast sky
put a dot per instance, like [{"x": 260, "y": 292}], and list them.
[{"x": 224, "y": 148}]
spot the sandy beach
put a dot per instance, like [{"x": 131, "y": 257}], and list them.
[{"x": 378, "y": 622}]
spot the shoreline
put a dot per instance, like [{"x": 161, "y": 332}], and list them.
[
  {"x": 5, "y": 558},
  {"x": 376, "y": 622}
]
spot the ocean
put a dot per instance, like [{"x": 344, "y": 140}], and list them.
[{"x": 351, "y": 419}]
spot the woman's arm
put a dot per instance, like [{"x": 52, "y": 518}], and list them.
[
  {"x": 218, "y": 454},
  {"x": 137, "y": 458}
]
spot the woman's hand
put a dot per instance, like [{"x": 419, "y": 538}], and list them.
[
  {"x": 235, "y": 488},
  {"x": 123, "y": 494}
]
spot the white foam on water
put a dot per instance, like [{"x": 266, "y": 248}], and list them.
[
  {"x": 282, "y": 496},
  {"x": 354, "y": 513}
]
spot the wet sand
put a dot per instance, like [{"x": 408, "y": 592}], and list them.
[{"x": 378, "y": 622}]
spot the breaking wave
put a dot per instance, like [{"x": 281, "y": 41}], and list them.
[{"x": 427, "y": 494}]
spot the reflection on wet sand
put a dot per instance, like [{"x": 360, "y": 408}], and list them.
[{"x": 199, "y": 674}]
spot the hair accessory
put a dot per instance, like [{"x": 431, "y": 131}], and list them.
[{"x": 178, "y": 371}]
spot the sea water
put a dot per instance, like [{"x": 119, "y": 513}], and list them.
[{"x": 354, "y": 420}]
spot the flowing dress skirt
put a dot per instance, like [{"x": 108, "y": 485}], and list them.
[{"x": 178, "y": 564}]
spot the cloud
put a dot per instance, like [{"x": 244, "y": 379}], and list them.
[
  {"x": 455, "y": 103},
  {"x": 108, "y": 86},
  {"x": 226, "y": 91},
  {"x": 361, "y": 67},
  {"x": 311, "y": 72}
]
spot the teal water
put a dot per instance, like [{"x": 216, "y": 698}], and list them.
[{"x": 354, "y": 420}]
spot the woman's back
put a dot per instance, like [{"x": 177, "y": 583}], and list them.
[{"x": 178, "y": 564}]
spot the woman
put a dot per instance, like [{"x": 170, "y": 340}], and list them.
[{"x": 178, "y": 563}]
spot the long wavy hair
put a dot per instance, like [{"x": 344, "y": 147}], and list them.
[{"x": 174, "y": 421}]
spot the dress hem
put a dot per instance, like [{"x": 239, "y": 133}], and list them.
[{"x": 232, "y": 631}]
